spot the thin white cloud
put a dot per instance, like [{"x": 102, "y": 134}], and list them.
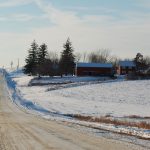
[
  {"x": 2, "y": 18},
  {"x": 13, "y": 3},
  {"x": 19, "y": 17},
  {"x": 142, "y": 3},
  {"x": 22, "y": 17},
  {"x": 57, "y": 16},
  {"x": 70, "y": 18},
  {"x": 95, "y": 9}
]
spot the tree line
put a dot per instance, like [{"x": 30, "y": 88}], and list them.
[{"x": 42, "y": 62}]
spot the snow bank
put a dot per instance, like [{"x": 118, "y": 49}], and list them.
[{"x": 19, "y": 100}]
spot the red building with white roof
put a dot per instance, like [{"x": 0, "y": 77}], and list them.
[
  {"x": 93, "y": 69},
  {"x": 126, "y": 67}
]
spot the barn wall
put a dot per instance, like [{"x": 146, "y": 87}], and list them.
[
  {"x": 87, "y": 71},
  {"x": 127, "y": 70}
]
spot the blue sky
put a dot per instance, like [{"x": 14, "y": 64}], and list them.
[{"x": 117, "y": 25}]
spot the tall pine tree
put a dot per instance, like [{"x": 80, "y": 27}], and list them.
[
  {"x": 31, "y": 60},
  {"x": 42, "y": 53},
  {"x": 42, "y": 59},
  {"x": 67, "y": 60}
]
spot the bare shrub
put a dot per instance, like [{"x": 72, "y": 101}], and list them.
[
  {"x": 137, "y": 117},
  {"x": 143, "y": 124}
]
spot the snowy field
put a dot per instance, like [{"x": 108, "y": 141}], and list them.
[
  {"x": 87, "y": 96},
  {"x": 118, "y": 98}
]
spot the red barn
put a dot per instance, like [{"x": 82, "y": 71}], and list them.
[
  {"x": 93, "y": 69},
  {"x": 126, "y": 67}
]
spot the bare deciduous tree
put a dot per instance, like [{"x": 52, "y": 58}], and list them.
[
  {"x": 77, "y": 57},
  {"x": 100, "y": 56},
  {"x": 114, "y": 60},
  {"x": 146, "y": 59},
  {"x": 84, "y": 56}
]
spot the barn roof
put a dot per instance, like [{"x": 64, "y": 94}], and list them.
[
  {"x": 127, "y": 63},
  {"x": 95, "y": 65}
]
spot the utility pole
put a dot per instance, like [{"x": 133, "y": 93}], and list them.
[
  {"x": 18, "y": 64},
  {"x": 11, "y": 65}
]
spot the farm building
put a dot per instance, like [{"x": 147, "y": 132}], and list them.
[
  {"x": 126, "y": 67},
  {"x": 93, "y": 69}
]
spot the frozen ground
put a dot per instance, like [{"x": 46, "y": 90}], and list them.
[
  {"x": 89, "y": 97},
  {"x": 118, "y": 99}
]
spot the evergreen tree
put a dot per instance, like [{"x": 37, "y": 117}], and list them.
[
  {"x": 67, "y": 60},
  {"x": 42, "y": 60},
  {"x": 138, "y": 60},
  {"x": 31, "y": 60},
  {"x": 42, "y": 53}
]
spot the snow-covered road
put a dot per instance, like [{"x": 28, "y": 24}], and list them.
[{"x": 21, "y": 130}]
